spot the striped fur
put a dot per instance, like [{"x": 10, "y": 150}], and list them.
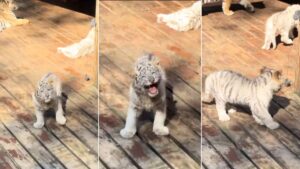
[
  {"x": 149, "y": 77},
  {"x": 227, "y": 3},
  {"x": 231, "y": 87},
  {"x": 7, "y": 16},
  {"x": 48, "y": 95},
  {"x": 4, "y": 25}
]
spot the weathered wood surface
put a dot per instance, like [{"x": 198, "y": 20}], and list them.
[
  {"x": 26, "y": 54},
  {"x": 234, "y": 43},
  {"x": 128, "y": 30}
]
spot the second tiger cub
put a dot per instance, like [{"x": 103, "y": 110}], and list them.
[{"x": 227, "y": 3}]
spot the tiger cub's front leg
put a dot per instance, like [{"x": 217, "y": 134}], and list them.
[
  {"x": 21, "y": 22},
  {"x": 131, "y": 121},
  {"x": 159, "y": 127}
]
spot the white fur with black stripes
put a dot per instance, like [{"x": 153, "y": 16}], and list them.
[
  {"x": 48, "y": 95},
  {"x": 231, "y": 87},
  {"x": 147, "y": 92}
]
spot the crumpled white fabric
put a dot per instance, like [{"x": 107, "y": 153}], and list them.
[
  {"x": 184, "y": 19},
  {"x": 82, "y": 48}
]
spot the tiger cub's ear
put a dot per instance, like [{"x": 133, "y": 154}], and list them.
[
  {"x": 136, "y": 71},
  {"x": 153, "y": 59},
  {"x": 278, "y": 74},
  {"x": 156, "y": 61},
  {"x": 296, "y": 16},
  {"x": 264, "y": 69}
]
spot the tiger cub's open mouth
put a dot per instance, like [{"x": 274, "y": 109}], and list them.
[{"x": 152, "y": 89}]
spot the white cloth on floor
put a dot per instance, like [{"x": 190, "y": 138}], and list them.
[
  {"x": 82, "y": 48},
  {"x": 184, "y": 19}
]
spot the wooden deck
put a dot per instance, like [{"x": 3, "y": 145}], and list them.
[
  {"x": 26, "y": 54},
  {"x": 127, "y": 30},
  {"x": 235, "y": 43}
]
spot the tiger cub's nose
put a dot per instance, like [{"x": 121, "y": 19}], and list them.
[{"x": 151, "y": 79}]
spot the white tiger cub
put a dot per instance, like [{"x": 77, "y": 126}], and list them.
[
  {"x": 282, "y": 23},
  {"x": 7, "y": 15},
  {"x": 147, "y": 92},
  {"x": 231, "y": 87},
  {"x": 48, "y": 95}
]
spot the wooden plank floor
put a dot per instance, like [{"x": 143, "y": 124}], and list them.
[
  {"x": 235, "y": 43},
  {"x": 26, "y": 54},
  {"x": 127, "y": 30}
]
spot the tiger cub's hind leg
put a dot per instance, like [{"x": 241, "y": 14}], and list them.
[
  {"x": 247, "y": 5},
  {"x": 231, "y": 109},
  {"x": 257, "y": 119},
  {"x": 207, "y": 98},
  {"x": 226, "y": 7},
  {"x": 221, "y": 109}
]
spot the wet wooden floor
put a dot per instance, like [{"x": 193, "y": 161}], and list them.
[
  {"x": 235, "y": 43},
  {"x": 26, "y": 54},
  {"x": 127, "y": 30}
]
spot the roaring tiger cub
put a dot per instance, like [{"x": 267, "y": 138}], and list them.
[
  {"x": 147, "y": 92},
  {"x": 231, "y": 87},
  {"x": 48, "y": 95},
  {"x": 7, "y": 16}
]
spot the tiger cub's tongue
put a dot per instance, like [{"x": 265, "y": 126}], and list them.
[{"x": 153, "y": 89}]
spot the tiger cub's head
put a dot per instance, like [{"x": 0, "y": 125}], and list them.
[
  {"x": 8, "y": 5},
  {"x": 275, "y": 78},
  {"x": 148, "y": 75}
]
